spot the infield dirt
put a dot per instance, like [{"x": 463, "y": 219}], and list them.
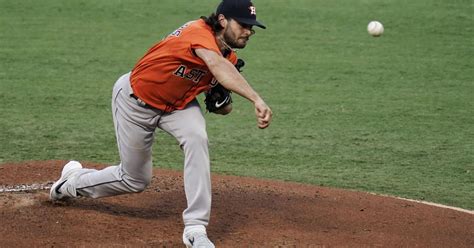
[{"x": 246, "y": 212}]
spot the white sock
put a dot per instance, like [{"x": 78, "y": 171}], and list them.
[{"x": 195, "y": 228}]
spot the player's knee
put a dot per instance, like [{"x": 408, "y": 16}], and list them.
[
  {"x": 196, "y": 138},
  {"x": 137, "y": 185}
]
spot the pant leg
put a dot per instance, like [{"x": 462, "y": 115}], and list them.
[
  {"x": 134, "y": 127},
  {"x": 188, "y": 126}
]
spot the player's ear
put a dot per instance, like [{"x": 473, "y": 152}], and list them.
[{"x": 222, "y": 20}]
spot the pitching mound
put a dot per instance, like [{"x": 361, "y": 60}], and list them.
[{"x": 246, "y": 213}]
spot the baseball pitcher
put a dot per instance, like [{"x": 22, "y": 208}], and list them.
[{"x": 160, "y": 92}]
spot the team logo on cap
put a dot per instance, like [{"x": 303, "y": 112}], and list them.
[{"x": 253, "y": 10}]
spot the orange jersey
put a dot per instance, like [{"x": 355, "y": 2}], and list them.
[{"x": 170, "y": 75}]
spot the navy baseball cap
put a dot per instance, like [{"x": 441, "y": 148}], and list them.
[{"x": 242, "y": 11}]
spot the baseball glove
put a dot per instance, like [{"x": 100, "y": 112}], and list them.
[{"x": 218, "y": 97}]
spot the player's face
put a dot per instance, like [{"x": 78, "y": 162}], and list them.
[{"x": 236, "y": 34}]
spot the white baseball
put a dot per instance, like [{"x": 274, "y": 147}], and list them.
[{"x": 375, "y": 28}]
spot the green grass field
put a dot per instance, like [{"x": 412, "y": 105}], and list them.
[{"x": 391, "y": 115}]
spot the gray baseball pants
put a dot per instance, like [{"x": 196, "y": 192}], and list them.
[{"x": 135, "y": 126}]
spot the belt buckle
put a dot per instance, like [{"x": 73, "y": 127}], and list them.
[{"x": 140, "y": 102}]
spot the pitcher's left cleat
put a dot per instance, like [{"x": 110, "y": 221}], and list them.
[
  {"x": 58, "y": 193},
  {"x": 196, "y": 237}
]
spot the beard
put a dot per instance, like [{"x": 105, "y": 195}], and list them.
[{"x": 233, "y": 41}]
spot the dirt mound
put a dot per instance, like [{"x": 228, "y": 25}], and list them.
[{"x": 246, "y": 213}]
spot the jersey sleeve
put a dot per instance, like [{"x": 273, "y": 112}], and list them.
[
  {"x": 233, "y": 58},
  {"x": 204, "y": 40}
]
